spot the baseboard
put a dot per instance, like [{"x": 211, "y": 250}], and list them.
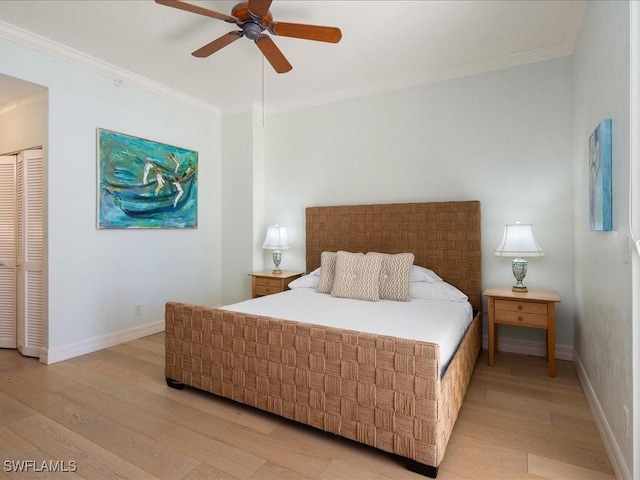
[
  {"x": 29, "y": 351},
  {"x": 528, "y": 347},
  {"x": 620, "y": 468},
  {"x": 53, "y": 355}
]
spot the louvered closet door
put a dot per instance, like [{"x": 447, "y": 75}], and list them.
[
  {"x": 30, "y": 248},
  {"x": 8, "y": 251}
]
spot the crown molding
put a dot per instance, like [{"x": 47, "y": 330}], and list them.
[
  {"x": 120, "y": 75},
  {"x": 34, "y": 41},
  {"x": 485, "y": 66}
]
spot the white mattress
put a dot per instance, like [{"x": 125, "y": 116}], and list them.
[{"x": 444, "y": 323}]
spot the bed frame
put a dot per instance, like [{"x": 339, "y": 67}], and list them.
[{"x": 378, "y": 390}]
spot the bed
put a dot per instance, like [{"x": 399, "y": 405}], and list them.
[{"x": 395, "y": 394}]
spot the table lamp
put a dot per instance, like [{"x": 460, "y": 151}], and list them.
[
  {"x": 518, "y": 242},
  {"x": 276, "y": 240}
]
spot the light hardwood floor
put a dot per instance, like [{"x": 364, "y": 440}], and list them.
[{"x": 112, "y": 414}]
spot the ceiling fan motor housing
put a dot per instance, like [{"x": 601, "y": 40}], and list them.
[
  {"x": 252, "y": 30},
  {"x": 252, "y": 24}
]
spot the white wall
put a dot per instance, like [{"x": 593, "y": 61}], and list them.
[
  {"x": 503, "y": 138},
  {"x": 237, "y": 207},
  {"x": 95, "y": 277},
  {"x": 603, "y": 277}
]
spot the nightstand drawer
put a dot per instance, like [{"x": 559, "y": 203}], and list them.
[
  {"x": 521, "y": 307},
  {"x": 523, "y": 319},
  {"x": 268, "y": 282},
  {"x": 266, "y": 290}
]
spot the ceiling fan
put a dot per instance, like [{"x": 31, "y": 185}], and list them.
[{"x": 253, "y": 18}]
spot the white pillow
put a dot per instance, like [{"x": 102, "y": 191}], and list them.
[
  {"x": 357, "y": 276},
  {"x": 306, "y": 281},
  {"x": 436, "y": 291},
  {"x": 421, "y": 274}
]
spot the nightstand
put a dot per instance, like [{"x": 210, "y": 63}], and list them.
[
  {"x": 535, "y": 309},
  {"x": 268, "y": 283}
]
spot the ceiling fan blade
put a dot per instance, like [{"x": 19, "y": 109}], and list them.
[
  {"x": 272, "y": 53},
  {"x": 259, "y": 7},
  {"x": 197, "y": 9},
  {"x": 308, "y": 32},
  {"x": 217, "y": 44}
]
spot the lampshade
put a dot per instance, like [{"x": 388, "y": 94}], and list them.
[
  {"x": 277, "y": 238},
  {"x": 518, "y": 241}
]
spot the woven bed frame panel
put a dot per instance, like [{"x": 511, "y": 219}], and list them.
[
  {"x": 377, "y": 390},
  {"x": 443, "y": 236}
]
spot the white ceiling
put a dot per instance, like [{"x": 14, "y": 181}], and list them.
[{"x": 385, "y": 45}]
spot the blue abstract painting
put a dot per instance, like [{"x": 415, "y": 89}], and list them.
[
  {"x": 145, "y": 184},
  {"x": 600, "y": 195}
]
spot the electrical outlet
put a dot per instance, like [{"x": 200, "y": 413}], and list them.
[
  {"x": 627, "y": 421},
  {"x": 137, "y": 309}
]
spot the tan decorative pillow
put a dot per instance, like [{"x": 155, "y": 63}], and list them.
[
  {"x": 327, "y": 272},
  {"x": 394, "y": 276},
  {"x": 357, "y": 276}
]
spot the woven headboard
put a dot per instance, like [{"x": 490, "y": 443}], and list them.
[{"x": 443, "y": 236}]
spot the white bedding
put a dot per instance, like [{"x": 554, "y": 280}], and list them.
[{"x": 441, "y": 322}]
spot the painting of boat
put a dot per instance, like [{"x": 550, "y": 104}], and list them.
[{"x": 145, "y": 184}]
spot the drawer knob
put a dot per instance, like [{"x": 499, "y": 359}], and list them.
[
  {"x": 519, "y": 318},
  {"x": 519, "y": 307}
]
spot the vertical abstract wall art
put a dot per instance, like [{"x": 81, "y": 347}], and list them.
[
  {"x": 145, "y": 184},
  {"x": 600, "y": 197}
]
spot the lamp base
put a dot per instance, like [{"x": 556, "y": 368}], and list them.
[
  {"x": 277, "y": 258},
  {"x": 519, "y": 268}
]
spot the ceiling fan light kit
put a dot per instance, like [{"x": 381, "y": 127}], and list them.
[{"x": 254, "y": 19}]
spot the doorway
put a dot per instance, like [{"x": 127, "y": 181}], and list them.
[{"x": 21, "y": 251}]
